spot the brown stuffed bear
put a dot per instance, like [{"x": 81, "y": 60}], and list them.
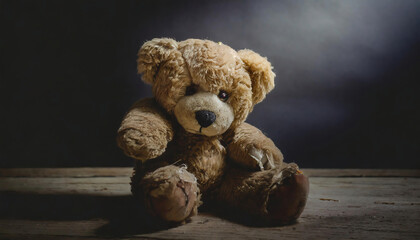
[{"x": 192, "y": 143}]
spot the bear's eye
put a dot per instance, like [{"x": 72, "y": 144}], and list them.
[
  {"x": 223, "y": 95},
  {"x": 191, "y": 90}
]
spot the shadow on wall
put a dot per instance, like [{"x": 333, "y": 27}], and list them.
[{"x": 345, "y": 88}]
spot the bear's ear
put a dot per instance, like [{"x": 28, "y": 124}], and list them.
[
  {"x": 152, "y": 54},
  {"x": 260, "y": 71}
]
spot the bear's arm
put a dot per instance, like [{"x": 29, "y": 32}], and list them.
[
  {"x": 145, "y": 130},
  {"x": 249, "y": 147}
]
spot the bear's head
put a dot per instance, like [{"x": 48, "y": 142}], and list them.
[{"x": 207, "y": 86}]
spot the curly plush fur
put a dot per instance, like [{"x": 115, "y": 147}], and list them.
[{"x": 191, "y": 140}]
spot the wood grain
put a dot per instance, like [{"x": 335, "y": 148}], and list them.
[{"x": 90, "y": 204}]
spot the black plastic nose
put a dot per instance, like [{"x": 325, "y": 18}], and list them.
[{"x": 205, "y": 118}]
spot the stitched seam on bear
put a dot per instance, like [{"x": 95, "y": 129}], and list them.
[{"x": 188, "y": 66}]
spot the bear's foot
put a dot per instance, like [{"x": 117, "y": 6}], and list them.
[
  {"x": 170, "y": 193},
  {"x": 276, "y": 196},
  {"x": 287, "y": 196}
]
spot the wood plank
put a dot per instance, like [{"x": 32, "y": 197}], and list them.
[
  {"x": 66, "y": 172},
  {"x": 314, "y": 172},
  {"x": 101, "y": 186},
  {"x": 127, "y": 171},
  {"x": 343, "y": 207},
  {"x": 53, "y": 228}
]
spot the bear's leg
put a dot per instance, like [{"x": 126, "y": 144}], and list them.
[
  {"x": 277, "y": 195},
  {"x": 169, "y": 193}
]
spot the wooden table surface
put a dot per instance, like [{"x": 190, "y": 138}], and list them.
[{"x": 95, "y": 203}]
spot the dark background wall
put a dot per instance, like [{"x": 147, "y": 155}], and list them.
[{"x": 346, "y": 89}]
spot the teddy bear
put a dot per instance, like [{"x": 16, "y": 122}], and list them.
[{"x": 191, "y": 143}]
